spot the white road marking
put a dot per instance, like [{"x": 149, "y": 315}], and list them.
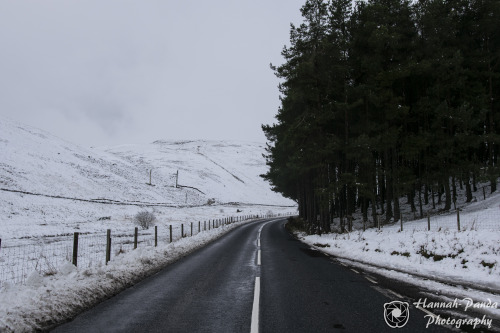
[
  {"x": 258, "y": 242},
  {"x": 254, "y": 328},
  {"x": 371, "y": 280},
  {"x": 395, "y": 293},
  {"x": 355, "y": 271},
  {"x": 426, "y": 311},
  {"x": 258, "y": 258}
]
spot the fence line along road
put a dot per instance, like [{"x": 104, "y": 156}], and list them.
[{"x": 45, "y": 256}]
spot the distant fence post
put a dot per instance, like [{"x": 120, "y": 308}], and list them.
[
  {"x": 75, "y": 249},
  {"x": 135, "y": 237},
  {"x": 484, "y": 193},
  {"x": 199, "y": 226},
  {"x": 108, "y": 246},
  {"x": 191, "y": 229},
  {"x": 182, "y": 230},
  {"x": 170, "y": 233},
  {"x": 458, "y": 218},
  {"x": 428, "y": 221},
  {"x": 156, "y": 235},
  {"x": 401, "y": 219}
]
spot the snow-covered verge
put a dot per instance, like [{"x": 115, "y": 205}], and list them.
[
  {"x": 51, "y": 188},
  {"x": 468, "y": 259},
  {"x": 48, "y": 300}
]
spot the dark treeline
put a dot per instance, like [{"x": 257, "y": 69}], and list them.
[{"x": 383, "y": 100}]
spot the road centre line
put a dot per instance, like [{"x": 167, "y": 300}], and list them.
[
  {"x": 355, "y": 271},
  {"x": 426, "y": 311},
  {"x": 258, "y": 258},
  {"x": 258, "y": 242},
  {"x": 395, "y": 293},
  {"x": 371, "y": 280},
  {"x": 254, "y": 327}
]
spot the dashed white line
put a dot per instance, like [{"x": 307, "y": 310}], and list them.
[
  {"x": 395, "y": 293},
  {"x": 258, "y": 242},
  {"x": 258, "y": 258},
  {"x": 371, "y": 280},
  {"x": 254, "y": 328},
  {"x": 426, "y": 311},
  {"x": 355, "y": 271}
]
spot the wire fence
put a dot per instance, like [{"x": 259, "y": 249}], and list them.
[
  {"x": 47, "y": 255},
  {"x": 487, "y": 219}
]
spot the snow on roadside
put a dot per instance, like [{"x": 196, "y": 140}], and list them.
[
  {"x": 47, "y": 300},
  {"x": 468, "y": 258}
]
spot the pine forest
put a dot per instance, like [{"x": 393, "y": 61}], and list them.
[{"x": 385, "y": 103}]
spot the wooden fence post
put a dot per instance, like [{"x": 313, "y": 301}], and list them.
[
  {"x": 484, "y": 193},
  {"x": 401, "y": 219},
  {"x": 182, "y": 230},
  {"x": 75, "y": 249},
  {"x": 108, "y": 246},
  {"x": 170, "y": 233},
  {"x": 156, "y": 235},
  {"x": 199, "y": 226},
  {"x": 136, "y": 230},
  {"x": 458, "y": 218},
  {"x": 191, "y": 229},
  {"x": 428, "y": 221}
]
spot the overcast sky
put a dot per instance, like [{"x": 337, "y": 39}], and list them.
[{"x": 108, "y": 72}]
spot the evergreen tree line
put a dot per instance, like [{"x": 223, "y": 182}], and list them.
[{"x": 382, "y": 100}]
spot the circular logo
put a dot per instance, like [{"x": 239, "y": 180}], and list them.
[{"x": 396, "y": 313}]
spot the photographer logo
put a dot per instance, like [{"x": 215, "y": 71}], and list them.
[{"x": 396, "y": 314}]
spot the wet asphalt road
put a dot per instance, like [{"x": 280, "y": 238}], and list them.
[{"x": 212, "y": 290}]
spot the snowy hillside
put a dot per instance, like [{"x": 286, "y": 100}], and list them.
[
  {"x": 227, "y": 172},
  {"x": 46, "y": 181}
]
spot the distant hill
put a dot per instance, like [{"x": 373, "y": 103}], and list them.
[{"x": 37, "y": 169}]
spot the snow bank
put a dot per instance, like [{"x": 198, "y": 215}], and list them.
[{"x": 47, "y": 300}]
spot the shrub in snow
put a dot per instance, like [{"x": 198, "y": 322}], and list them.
[{"x": 145, "y": 219}]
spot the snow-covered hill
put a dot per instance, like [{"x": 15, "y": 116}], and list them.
[{"x": 46, "y": 181}]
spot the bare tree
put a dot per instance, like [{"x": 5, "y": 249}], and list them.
[{"x": 145, "y": 219}]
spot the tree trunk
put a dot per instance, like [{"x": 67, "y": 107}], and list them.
[
  {"x": 420, "y": 200},
  {"x": 468, "y": 191},
  {"x": 447, "y": 204},
  {"x": 426, "y": 194},
  {"x": 454, "y": 189},
  {"x": 433, "y": 200}
]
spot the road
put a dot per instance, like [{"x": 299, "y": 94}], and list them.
[{"x": 255, "y": 278}]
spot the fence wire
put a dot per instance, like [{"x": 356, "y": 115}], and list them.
[{"x": 46, "y": 255}]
